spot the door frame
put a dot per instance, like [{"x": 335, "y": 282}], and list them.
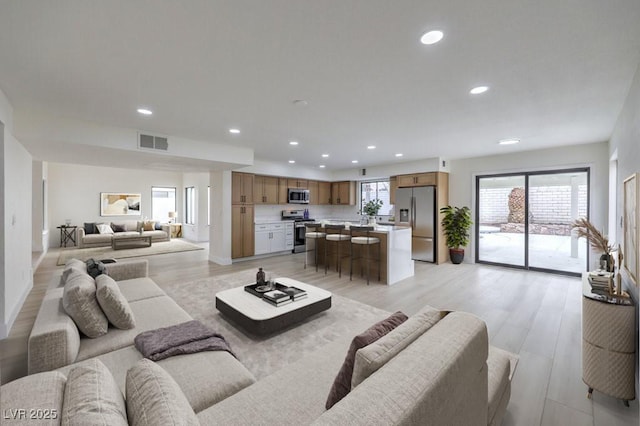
[{"x": 526, "y": 175}]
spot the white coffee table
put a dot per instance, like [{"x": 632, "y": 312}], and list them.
[{"x": 259, "y": 317}]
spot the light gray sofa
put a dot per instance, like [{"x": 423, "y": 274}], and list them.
[
  {"x": 448, "y": 375},
  {"x": 132, "y": 227}
]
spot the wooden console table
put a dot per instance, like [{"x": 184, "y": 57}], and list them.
[{"x": 608, "y": 343}]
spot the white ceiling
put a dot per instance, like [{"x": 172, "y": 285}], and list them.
[{"x": 559, "y": 72}]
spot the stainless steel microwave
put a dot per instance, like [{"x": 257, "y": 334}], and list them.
[{"x": 298, "y": 196}]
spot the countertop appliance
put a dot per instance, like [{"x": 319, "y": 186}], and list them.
[
  {"x": 298, "y": 196},
  {"x": 415, "y": 207},
  {"x": 299, "y": 230}
]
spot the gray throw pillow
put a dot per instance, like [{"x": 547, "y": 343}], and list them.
[
  {"x": 342, "y": 383},
  {"x": 92, "y": 397},
  {"x": 154, "y": 398},
  {"x": 113, "y": 303},
  {"x": 79, "y": 302},
  {"x": 72, "y": 266}
]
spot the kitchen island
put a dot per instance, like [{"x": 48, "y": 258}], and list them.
[{"x": 395, "y": 252}]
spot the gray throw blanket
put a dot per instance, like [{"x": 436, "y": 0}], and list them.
[{"x": 185, "y": 338}]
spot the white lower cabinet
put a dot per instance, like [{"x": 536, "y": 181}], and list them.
[{"x": 272, "y": 237}]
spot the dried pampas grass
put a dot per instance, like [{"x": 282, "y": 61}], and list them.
[{"x": 586, "y": 229}]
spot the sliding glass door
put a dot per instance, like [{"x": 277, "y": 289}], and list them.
[{"x": 524, "y": 220}]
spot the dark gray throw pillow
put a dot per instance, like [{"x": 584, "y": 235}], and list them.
[
  {"x": 95, "y": 268},
  {"x": 118, "y": 227},
  {"x": 342, "y": 384},
  {"x": 90, "y": 228}
]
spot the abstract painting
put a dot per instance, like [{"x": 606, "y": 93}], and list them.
[
  {"x": 119, "y": 204},
  {"x": 630, "y": 224}
]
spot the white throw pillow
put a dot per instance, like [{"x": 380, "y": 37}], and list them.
[
  {"x": 104, "y": 228},
  {"x": 154, "y": 398},
  {"x": 113, "y": 303}
]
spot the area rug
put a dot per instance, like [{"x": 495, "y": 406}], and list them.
[
  {"x": 265, "y": 355},
  {"x": 173, "y": 246}
]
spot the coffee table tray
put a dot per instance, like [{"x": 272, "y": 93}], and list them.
[{"x": 252, "y": 289}]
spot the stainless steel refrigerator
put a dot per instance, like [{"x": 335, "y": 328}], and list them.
[{"x": 416, "y": 207}]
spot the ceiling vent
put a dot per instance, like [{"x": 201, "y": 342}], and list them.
[{"x": 153, "y": 142}]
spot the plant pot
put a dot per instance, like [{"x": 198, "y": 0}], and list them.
[
  {"x": 456, "y": 255},
  {"x": 372, "y": 221}
]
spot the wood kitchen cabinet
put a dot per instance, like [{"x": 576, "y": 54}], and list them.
[
  {"x": 283, "y": 193},
  {"x": 265, "y": 190},
  {"x": 313, "y": 192},
  {"x": 324, "y": 193},
  {"x": 242, "y": 231},
  {"x": 241, "y": 188},
  {"x": 417, "y": 179},
  {"x": 393, "y": 185},
  {"x": 298, "y": 183},
  {"x": 343, "y": 193}
]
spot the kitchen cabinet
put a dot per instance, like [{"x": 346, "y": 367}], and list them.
[
  {"x": 417, "y": 179},
  {"x": 393, "y": 185},
  {"x": 265, "y": 190},
  {"x": 297, "y": 183},
  {"x": 324, "y": 193},
  {"x": 242, "y": 232},
  {"x": 241, "y": 188},
  {"x": 343, "y": 193},
  {"x": 313, "y": 192},
  {"x": 272, "y": 237},
  {"x": 283, "y": 193}
]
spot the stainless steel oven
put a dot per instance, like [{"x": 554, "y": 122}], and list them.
[{"x": 299, "y": 230}]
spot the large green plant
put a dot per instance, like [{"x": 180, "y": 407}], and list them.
[
  {"x": 371, "y": 208},
  {"x": 456, "y": 223}
]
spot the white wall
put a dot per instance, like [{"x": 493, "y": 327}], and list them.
[
  {"x": 15, "y": 236},
  {"x": 74, "y": 192},
  {"x": 220, "y": 229},
  {"x": 200, "y": 230},
  {"x": 595, "y": 156}
]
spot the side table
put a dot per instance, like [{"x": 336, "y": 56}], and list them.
[
  {"x": 67, "y": 234},
  {"x": 608, "y": 343},
  {"x": 176, "y": 230}
]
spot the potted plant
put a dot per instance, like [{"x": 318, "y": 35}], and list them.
[
  {"x": 371, "y": 209},
  {"x": 456, "y": 223},
  {"x": 598, "y": 241}
]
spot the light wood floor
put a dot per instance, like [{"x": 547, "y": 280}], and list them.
[{"x": 533, "y": 314}]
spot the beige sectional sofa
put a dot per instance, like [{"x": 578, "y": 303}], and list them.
[
  {"x": 131, "y": 227},
  {"x": 446, "y": 375}
]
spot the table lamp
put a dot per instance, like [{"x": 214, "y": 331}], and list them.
[{"x": 172, "y": 217}]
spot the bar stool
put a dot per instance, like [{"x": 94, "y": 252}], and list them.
[
  {"x": 362, "y": 241},
  {"x": 335, "y": 235},
  {"x": 312, "y": 233}
]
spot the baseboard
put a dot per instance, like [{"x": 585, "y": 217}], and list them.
[
  {"x": 220, "y": 260},
  {"x": 5, "y": 328}
]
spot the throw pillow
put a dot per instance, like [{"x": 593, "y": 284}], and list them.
[
  {"x": 95, "y": 268},
  {"x": 113, "y": 303},
  {"x": 154, "y": 398},
  {"x": 118, "y": 227},
  {"x": 90, "y": 228},
  {"x": 72, "y": 266},
  {"x": 104, "y": 228},
  {"x": 158, "y": 226},
  {"x": 92, "y": 397},
  {"x": 342, "y": 383},
  {"x": 371, "y": 358},
  {"x": 79, "y": 302},
  {"x": 149, "y": 225}
]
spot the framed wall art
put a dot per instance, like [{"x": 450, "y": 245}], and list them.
[
  {"x": 119, "y": 204},
  {"x": 630, "y": 226}
]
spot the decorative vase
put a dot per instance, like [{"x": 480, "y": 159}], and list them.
[
  {"x": 606, "y": 262},
  {"x": 372, "y": 221},
  {"x": 456, "y": 255}
]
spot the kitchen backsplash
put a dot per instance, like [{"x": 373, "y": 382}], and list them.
[{"x": 274, "y": 212}]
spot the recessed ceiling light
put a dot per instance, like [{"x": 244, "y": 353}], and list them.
[
  {"x": 371, "y": 147},
  {"x": 292, "y": 161},
  {"x": 325, "y": 155},
  {"x": 509, "y": 141},
  {"x": 144, "y": 111},
  {"x": 322, "y": 166},
  {"x": 234, "y": 131},
  {"x": 479, "y": 89},
  {"x": 398, "y": 155},
  {"x": 293, "y": 143},
  {"x": 431, "y": 37},
  {"x": 300, "y": 102},
  {"x": 354, "y": 161}
]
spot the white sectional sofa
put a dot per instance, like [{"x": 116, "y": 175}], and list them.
[
  {"x": 131, "y": 227},
  {"x": 446, "y": 375}
]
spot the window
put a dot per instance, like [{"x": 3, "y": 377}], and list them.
[
  {"x": 190, "y": 205},
  {"x": 376, "y": 190},
  {"x": 163, "y": 201}
]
